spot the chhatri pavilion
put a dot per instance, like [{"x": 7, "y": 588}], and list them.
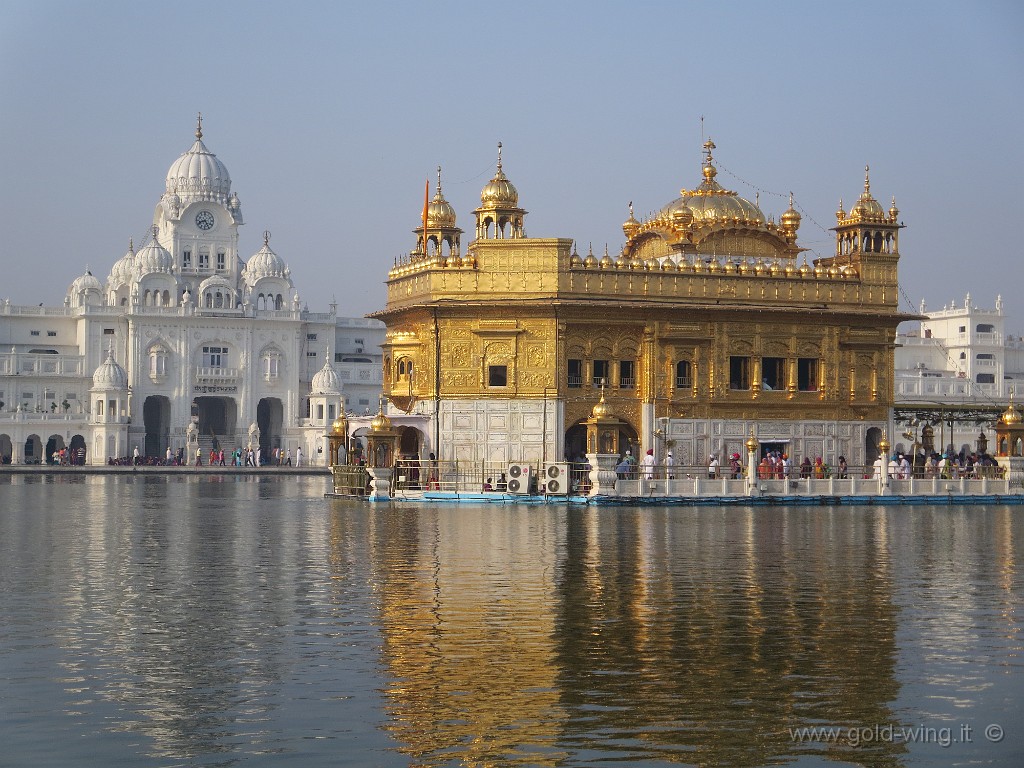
[{"x": 707, "y": 326}]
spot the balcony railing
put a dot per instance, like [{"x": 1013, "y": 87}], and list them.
[{"x": 209, "y": 373}]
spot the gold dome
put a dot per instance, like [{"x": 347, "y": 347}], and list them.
[
  {"x": 499, "y": 192},
  {"x": 380, "y": 423},
  {"x": 790, "y": 218},
  {"x": 606, "y": 260},
  {"x": 601, "y": 409},
  {"x": 339, "y": 426},
  {"x": 574, "y": 259},
  {"x": 866, "y": 206},
  {"x": 1011, "y": 415},
  {"x": 439, "y": 211},
  {"x": 711, "y": 202},
  {"x": 631, "y": 224},
  {"x": 591, "y": 260}
]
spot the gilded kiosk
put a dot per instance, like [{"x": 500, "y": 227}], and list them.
[{"x": 707, "y": 325}]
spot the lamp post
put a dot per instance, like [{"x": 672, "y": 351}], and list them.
[
  {"x": 883, "y": 481},
  {"x": 751, "y": 445}
]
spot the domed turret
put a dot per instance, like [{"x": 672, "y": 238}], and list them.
[
  {"x": 110, "y": 375},
  {"x": 153, "y": 257},
  {"x": 439, "y": 211},
  {"x": 198, "y": 174},
  {"x": 591, "y": 260},
  {"x": 631, "y": 225},
  {"x": 265, "y": 263},
  {"x": 121, "y": 272},
  {"x": 499, "y": 192},
  {"x": 85, "y": 283},
  {"x": 866, "y": 206},
  {"x": 790, "y": 219},
  {"x": 326, "y": 381},
  {"x": 606, "y": 260}
]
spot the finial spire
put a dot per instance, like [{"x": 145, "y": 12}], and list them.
[
  {"x": 155, "y": 230},
  {"x": 867, "y": 180},
  {"x": 131, "y": 245},
  {"x": 439, "y": 181},
  {"x": 199, "y": 126},
  {"x": 266, "y": 238},
  {"x": 499, "y": 157}
]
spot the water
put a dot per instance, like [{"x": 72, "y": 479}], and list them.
[{"x": 196, "y": 621}]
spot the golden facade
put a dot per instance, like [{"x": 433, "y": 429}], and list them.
[{"x": 705, "y": 325}]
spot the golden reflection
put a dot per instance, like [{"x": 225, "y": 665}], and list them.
[{"x": 704, "y": 634}]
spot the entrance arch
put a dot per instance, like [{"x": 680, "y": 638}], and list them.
[
  {"x": 54, "y": 444},
  {"x": 270, "y": 419},
  {"x": 33, "y": 449},
  {"x": 77, "y": 448},
  {"x": 6, "y": 449},
  {"x": 217, "y": 418},
  {"x": 409, "y": 442},
  {"x": 156, "y": 415}
]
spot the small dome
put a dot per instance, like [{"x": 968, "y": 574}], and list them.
[
  {"x": 866, "y": 206},
  {"x": 606, "y": 260},
  {"x": 790, "y": 219},
  {"x": 265, "y": 263},
  {"x": 621, "y": 262},
  {"x": 198, "y": 174},
  {"x": 326, "y": 381},
  {"x": 499, "y": 192},
  {"x": 601, "y": 409},
  {"x": 575, "y": 260},
  {"x": 591, "y": 260},
  {"x": 153, "y": 257},
  {"x": 121, "y": 272},
  {"x": 110, "y": 375},
  {"x": 339, "y": 427},
  {"x": 380, "y": 423},
  {"x": 1011, "y": 415},
  {"x": 86, "y": 282},
  {"x": 439, "y": 211}
]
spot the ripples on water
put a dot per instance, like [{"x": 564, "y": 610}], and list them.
[{"x": 172, "y": 621}]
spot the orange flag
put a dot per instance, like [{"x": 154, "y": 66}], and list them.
[{"x": 426, "y": 197}]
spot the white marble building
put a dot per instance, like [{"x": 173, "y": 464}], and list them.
[
  {"x": 183, "y": 330},
  {"x": 960, "y": 355}
]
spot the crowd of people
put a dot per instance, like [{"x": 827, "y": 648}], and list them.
[{"x": 217, "y": 457}]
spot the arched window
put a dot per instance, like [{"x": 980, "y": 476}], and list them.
[
  {"x": 157, "y": 362},
  {"x": 279, "y": 302},
  {"x": 985, "y": 328},
  {"x": 684, "y": 374},
  {"x": 271, "y": 365}
]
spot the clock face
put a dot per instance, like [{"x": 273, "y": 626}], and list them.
[{"x": 204, "y": 220}]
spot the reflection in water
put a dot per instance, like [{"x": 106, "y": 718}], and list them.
[{"x": 166, "y": 621}]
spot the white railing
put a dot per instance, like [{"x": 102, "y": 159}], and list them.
[{"x": 216, "y": 374}]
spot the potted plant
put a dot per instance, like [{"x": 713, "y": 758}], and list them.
[
  {"x": 65, "y": 405},
  {"x": 53, "y": 407}
]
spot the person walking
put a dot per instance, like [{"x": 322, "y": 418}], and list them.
[
  {"x": 647, "y": 464},
  {"x": 298, "y": 456},
  {"x": 670, "y": 464},
  {"x": 199, "y": 457},
  {"x": 167, "y": 459}
]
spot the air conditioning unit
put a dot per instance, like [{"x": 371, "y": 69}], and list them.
[
  {"x": 557, "y": 479},
  {"x": 518, "y": 478}
]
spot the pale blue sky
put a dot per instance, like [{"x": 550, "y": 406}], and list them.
[{"x": 330, "y": 116}]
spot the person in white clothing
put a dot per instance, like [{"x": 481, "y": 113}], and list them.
[
  {"x": 670, "y": 464},
  {"x": 298, "y": 456},
  {"x": 647, "y": 465},
  {"x": 712, "y": 466}
]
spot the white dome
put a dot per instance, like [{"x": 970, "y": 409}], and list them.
[
  {"x": 110, "y": 375},
  {"x": 153, "y": 258},
  {"x": 121, "y": 272},
  {"x": 265, "y": 263},
  {"x": 213, "y": 282},
  {"x": 198, "y": 175},
  {"x": 326, "y": 381},
  {"x": 87, "y": 282}
]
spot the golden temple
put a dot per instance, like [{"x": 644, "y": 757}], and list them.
[{"x": 705, "y": 326}]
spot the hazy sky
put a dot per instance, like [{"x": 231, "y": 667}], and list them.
[{"x": 330, "y": 116}]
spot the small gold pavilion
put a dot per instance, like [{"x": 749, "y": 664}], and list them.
[{"x": 710, "y": 322}]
